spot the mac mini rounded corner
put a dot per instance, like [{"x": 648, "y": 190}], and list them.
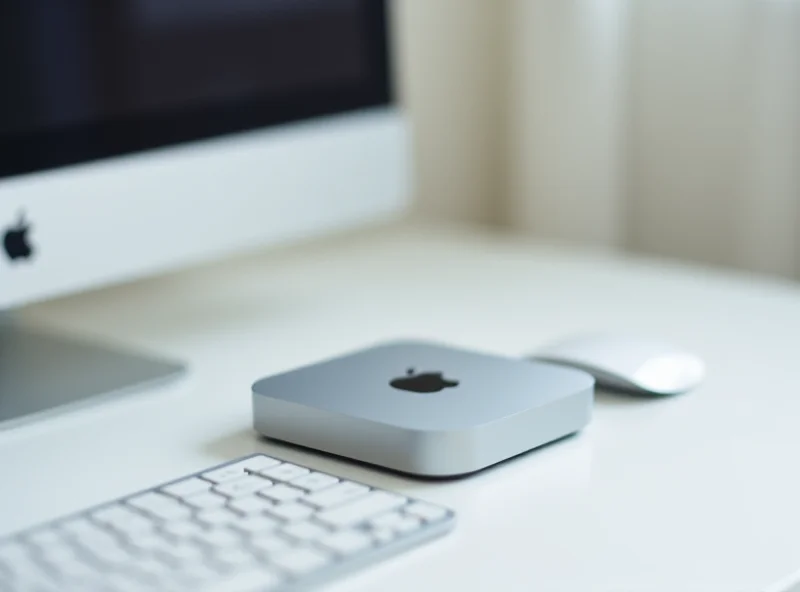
[{"x": 423, "y": 408}]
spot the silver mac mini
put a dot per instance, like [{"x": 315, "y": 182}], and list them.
[{"x": 423, "y": 408}]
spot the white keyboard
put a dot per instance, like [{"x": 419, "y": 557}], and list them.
[{"x": 254, "y": 524}]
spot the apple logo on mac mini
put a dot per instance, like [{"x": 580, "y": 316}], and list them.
[
  {"x": 428, "y": 382},
  {"x": 16, "y": 242}
]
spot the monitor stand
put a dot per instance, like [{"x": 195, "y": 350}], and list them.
[{"x": 41, "y": 374}]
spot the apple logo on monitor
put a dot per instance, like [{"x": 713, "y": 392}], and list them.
[
  {"x": 429, "y": 382},
  {"x": 16, "y": 242}
]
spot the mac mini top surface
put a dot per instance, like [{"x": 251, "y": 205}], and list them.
[{"x": 423, "y": 408}]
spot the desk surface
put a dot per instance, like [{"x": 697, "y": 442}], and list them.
[{"x": 692, "y": 493}]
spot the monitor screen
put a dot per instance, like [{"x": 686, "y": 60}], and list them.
[{"x": 90, "y": 79}]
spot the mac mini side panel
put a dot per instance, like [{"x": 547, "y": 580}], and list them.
[
  {"x": 334, "y": 433},
  {"x": 422, "y": 408},
  {"x": 511, "y": 436}
]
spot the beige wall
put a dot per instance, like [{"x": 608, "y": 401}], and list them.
[
  {"x": 567, "y": 104},
  {"x": 583, "y": 121},
  {"x": 714, "y": 138},
  {"x": 626, "y": 139},
  {"x": 453, "y": 79}
]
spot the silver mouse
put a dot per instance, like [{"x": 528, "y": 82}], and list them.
[{"x": 639, "y": 365}]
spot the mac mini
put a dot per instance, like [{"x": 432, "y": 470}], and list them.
[{"x": 423, "y": 408}]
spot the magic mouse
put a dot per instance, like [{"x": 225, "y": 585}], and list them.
[{"x": 640, "y": 365}]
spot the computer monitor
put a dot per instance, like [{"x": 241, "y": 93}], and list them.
[{"x": 139, "y": 136}]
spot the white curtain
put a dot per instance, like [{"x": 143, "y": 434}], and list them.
[{"x": 664, "y": 126}]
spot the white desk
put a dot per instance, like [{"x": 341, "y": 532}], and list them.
[{"x": 697, "y": 493}]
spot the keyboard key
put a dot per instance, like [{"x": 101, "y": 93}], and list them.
[
  {"x": 234, "y": 557},
  {"x": 70, "y": 565},
  {"x": 282, "y": 493},
  {"x": 270, "y": 543},
  {"x": 217, "y": 517},
  {"x": 337, "y": 495},
  {"x": 362, "y": 509},
  {"x": 183, "y": 553},
  {"x": 291, "y": 511},
  {"x": 389, "y": 520},
  {"x": 427, "y": 512},
  {"x": 306, "y": 531},
  {"x": 346, "y": 542},
  {"x": 242, "y": 487},
  {"x": 301, "y": 561},
  {"x": 183, "y": 530},
  {"x": 122, "y": 582},
  {"x": 409, "y": 524},
  {"x": 249, "y": 505},
  {"x": 28, "y": 575},
  {"x": 196, "y": 574},
  {"x": 151, "y": 542},
  {"x": 397, "y": 522},
  {"x": 123, "y": 519},
  {"x": 160, "y": 506},
  {"x": 45, "y": 537},
  {"x": 257, "y": 462},
  {"x": 239, "y": 469},
  {"x": 99, "y": 537},
  {"x": 314, "y": 481},
  {"x": 63, "y": 552},
  {"x": 18, "y": 559},
  {"x": 150, "y": 569},
  {"x": 36, "y": 583},
  {"x": 187, "y": 487},
  {"x": 382, "y": 536},
  {"x": 204, "y": 501},
  {"x": 256, "y": 524},
  {"x": 220, "y": 537},
  {"x": 256, "y": 579},
  {"x": 78, "y": 528},
  {"x": 13, "y": 551},
  {"x": 284, "y": 472},
  {"x": 146, "y": 501},
  {"x": 111, "y": 554}
]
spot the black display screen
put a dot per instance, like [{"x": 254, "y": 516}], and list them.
[{"x": 88, "y": 79}]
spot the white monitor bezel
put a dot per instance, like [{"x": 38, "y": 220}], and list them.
[{"x": 127, "y": 217}]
